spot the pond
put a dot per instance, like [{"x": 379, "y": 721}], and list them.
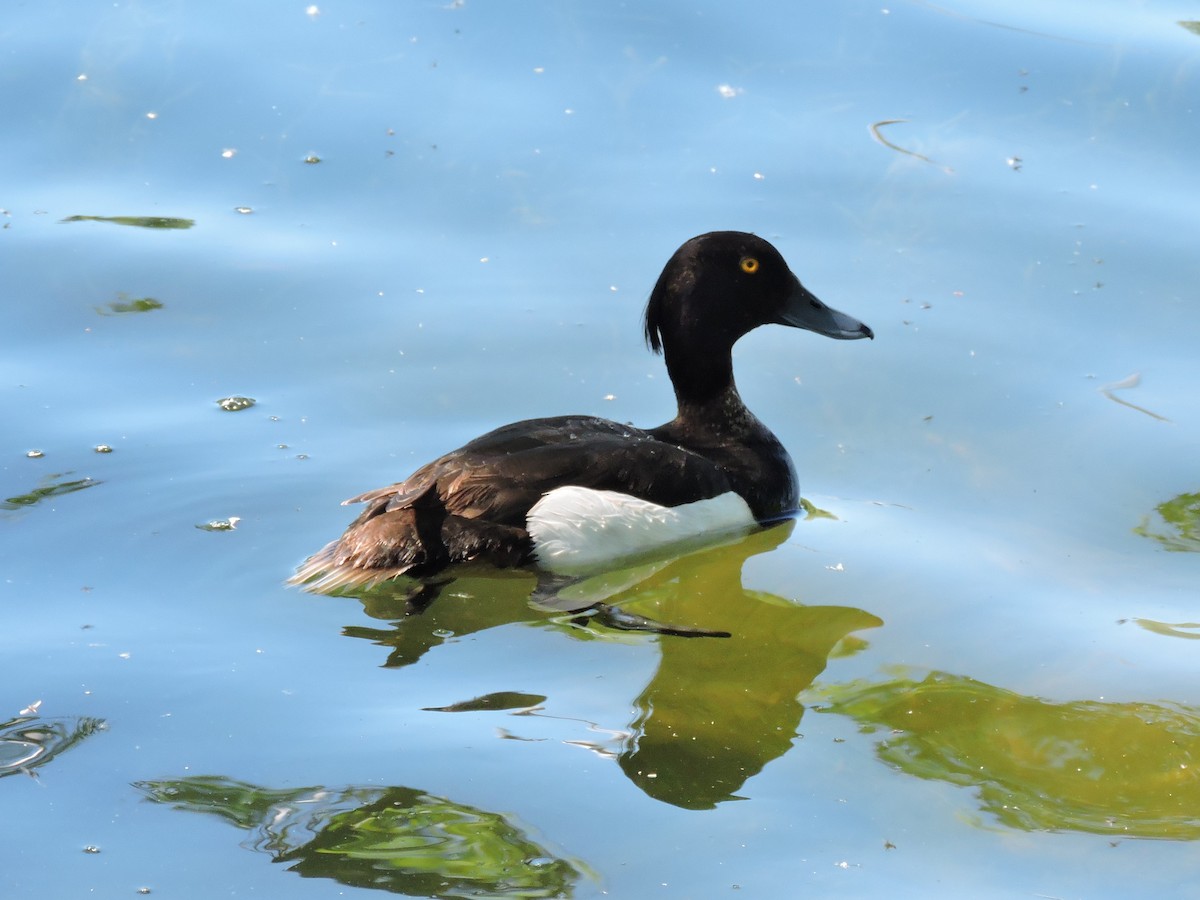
[{"x": 969, "y": 669}]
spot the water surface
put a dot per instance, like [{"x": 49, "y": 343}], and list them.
[{"x": 971, "y": 671}]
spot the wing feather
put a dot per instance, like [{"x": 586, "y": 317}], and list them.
[{"x": 499, "y": 476}]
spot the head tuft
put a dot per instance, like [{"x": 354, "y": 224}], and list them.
[
  {"x": 653, "y": 334},
  {"x": 677, "y": 278}
]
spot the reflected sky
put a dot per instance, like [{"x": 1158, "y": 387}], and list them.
[{"x": 498, "y": 186}]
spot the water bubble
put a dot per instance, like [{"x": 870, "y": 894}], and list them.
[
  {"x": 34, "y": 454},
  {"x": 102, "y": 448}
]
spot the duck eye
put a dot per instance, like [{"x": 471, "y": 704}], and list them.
[{"x": 749, "y": 265}]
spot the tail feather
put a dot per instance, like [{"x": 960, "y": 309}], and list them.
[
  {"x": 416, "y": 542},
  {"x": 323, "y": 573}
]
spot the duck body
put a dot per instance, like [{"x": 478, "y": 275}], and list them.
[{"x": 566, "y": 494}]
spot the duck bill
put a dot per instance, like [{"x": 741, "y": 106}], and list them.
[{"x": 803, "y": 310}]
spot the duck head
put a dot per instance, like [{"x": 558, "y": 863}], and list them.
[{"x": 720, "y": 286}]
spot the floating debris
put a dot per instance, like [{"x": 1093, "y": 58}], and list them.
[
  {"x": 126, "y": 305},
  {"x": 243, "y": 210},
  {"x": 34, "y": 454},
  {"x": 312, "y": 159},
  {"x": 1188, "y": 630},
  {"x": 235, "y": 403},
  {"x": 54, "y": 488},
  {"x": 136, "y": 221},
  {"x": 812, "y": 511},
  {"x": 1125, "y": 383},
  {"x": 102, "y": 448},
  {"x": 875, "y": 133},
  {"x": 221, "y": 524}
]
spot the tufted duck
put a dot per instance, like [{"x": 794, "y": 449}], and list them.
[{"x": 569, "y": 494}]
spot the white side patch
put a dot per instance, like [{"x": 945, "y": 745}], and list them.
[{"x": 575, "y": 529}]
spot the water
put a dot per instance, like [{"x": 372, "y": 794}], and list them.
[{"x": 975, "y": 676}]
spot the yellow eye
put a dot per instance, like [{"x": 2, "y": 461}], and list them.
[{"x": 749, "y": 265}]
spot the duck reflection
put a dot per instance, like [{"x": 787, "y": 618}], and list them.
[
  {"x": 717, "y": 709},
  {"x": 396, "y": 839}
]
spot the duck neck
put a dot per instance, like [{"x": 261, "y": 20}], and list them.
[
  {"x": 723, "y": 415},
  {"x": 699, "y": 362},
  {"x": 714, "y": 422},
  {"x": 707, "y": 397}
]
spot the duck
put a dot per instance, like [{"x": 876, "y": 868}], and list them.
[{"x": 570, "y": 495}]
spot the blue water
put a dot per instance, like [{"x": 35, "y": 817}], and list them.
[{"x": 494, "y": 189}]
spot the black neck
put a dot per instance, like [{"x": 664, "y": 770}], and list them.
[
  {"x": 707, "y": 398},
  {"x": 702, "y": 375}
]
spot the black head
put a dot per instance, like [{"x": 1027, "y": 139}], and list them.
[{"x": 722, "y": 285}]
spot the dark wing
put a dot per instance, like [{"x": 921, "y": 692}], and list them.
[
  {"x": 499, "y": 476},
  {"x": 472, "y": 503}
]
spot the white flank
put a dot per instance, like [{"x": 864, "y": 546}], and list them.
[{"x": 575, "y": 529}]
